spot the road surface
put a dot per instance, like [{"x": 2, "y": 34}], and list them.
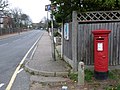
[{"x": 12, "y": 51}]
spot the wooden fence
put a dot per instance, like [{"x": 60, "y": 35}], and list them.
[
  {"x": 85, "y": 45},
  {"x": 67, "y": 49},
  {"x": 85, "y": 42}
]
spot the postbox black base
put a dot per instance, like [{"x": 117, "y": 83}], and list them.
[{"x": 101, "y": 75}]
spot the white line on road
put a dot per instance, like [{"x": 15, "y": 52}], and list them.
[
  {"x": 1, "y": 85},
  {"x": 20, "y": 70},
  {"x": 33, "y": 52},
  {"x": 17, "y": 69}
]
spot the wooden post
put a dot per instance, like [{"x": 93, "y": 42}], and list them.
[
  {"x": 81, "y": 73},
  {"x": 74, "y": 40}
]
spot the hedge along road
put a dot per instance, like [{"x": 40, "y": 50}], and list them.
[{"x": 14, "y": 50}]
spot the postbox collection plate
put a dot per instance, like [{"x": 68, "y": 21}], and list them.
[{"x": 100, "y": 47}]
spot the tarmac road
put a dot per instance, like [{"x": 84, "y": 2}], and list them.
[{"x": 12, "y": 51}]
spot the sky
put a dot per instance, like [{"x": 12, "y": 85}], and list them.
[{"x": 34, "y": 8}]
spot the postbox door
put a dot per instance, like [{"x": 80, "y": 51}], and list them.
[{"x": 101, "y": 62}]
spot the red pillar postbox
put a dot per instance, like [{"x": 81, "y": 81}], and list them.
[{"x": 101, "y": 54}]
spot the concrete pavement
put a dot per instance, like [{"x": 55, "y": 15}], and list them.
[
  {"x": 43, "y": 68},
  {"x": 42, "y": 62}
]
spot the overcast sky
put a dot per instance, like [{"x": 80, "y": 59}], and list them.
[{"x": 34, "y": 8}]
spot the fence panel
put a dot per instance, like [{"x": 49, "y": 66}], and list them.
[
  {"x": 85, "y": 42},
  {"x": 67, "y": 44}
]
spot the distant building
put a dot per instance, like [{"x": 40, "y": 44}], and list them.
[{"x": 38, "y": 25}]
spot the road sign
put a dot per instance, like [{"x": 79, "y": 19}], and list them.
[{"x": 48, "y": 7}]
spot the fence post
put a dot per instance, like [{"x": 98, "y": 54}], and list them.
[
  {"x": 74, "y": 40},
  {"x": 81, "y": 73}
]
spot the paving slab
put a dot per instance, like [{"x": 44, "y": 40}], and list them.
[{"x": 42, "y": 62}]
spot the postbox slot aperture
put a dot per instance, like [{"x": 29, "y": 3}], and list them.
[{"x": 100, "y": 39}]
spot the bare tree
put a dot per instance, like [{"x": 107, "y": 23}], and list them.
[
  {"x": 26, "y": 21},
  {"x": 3, "y": 4},
  {"x": 16, "y": 15}
]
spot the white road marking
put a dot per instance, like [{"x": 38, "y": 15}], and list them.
[
  {"x": 33, "y": 52},
  {"x": 17, "y": 69},
  {"x": 20, "y": 70},
  {"x": 1, "y": 85}
]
